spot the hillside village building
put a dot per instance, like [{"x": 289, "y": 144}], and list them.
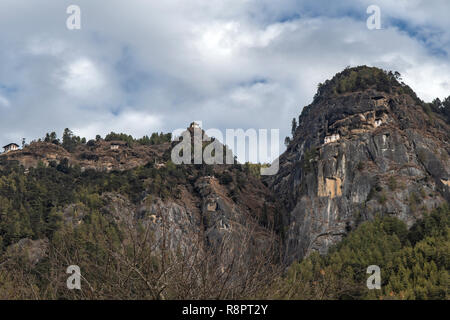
[
  {"x": 116, "y": 145},
  {"x": 11, "y": 147}
]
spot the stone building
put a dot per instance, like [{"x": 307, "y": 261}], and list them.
[{"x": 334, "y": 137}]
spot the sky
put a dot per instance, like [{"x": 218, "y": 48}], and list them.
[{"x": 140, "y": 66}]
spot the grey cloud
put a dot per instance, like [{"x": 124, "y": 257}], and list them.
[{"x": 232, "y": 64}]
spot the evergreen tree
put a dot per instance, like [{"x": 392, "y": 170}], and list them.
[
  {"x": 287, "y": 141},
  {"x": 294, "y": 126}
]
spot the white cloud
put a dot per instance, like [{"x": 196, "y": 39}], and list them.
[
  {"x": 139, "y": 67},
  {"x": 429, "y": 80},
  {"x": 139, "y": 123},
  {"x": 81, "y": 78},
  {"x": 222, "y": 39}
]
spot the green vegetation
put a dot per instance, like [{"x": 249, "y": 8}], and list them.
[
  {"x": 375, "y": 191},
  {"x": 254, "y": 169},
  {"x": 427, "y": 109},
  {"x": 414, "y": 264},
  {"x": 120, "y": 137},
  {"x": 414, "y": 200},
  {"x": 122, "y": 262},
  {"x": 118, "y": 262},
  {"x": 382, "y": 197},
  {"x": 287, "y": 141},
  {"x": 293, "y": 126},
  {"x": 71, "y": 141},
  {"x": 154, "y": 139},
  {"x": 440, "y": 107},
  {"x": 52, "y": 138},
  {"x": 360, "y": 166},
  {"x": 308, "y": 159},
  {"x": 31, "y": 204},
  {"x": 361, "y": 78},
  {"x": 392, "y": 183},
  {"x": 225, "y": 178}
]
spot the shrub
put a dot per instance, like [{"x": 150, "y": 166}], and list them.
[
  {"x": 225, "y": 178},
  {"x": 392, "y": 183}
]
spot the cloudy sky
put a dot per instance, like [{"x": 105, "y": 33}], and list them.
[{"x": 140, "y": 66}]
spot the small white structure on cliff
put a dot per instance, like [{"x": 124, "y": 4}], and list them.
[
  {"x": 11, "y": 147},
  {"x": 334, "y": 137},
  {"x": 194, "y": 125},
  {"x": 116, "y": 145}
]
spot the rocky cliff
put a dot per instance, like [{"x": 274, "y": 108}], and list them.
[
  {"x": 223, "y": 209},
  {"x": 364, "y": 147}
]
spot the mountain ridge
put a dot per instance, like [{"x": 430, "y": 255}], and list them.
[
  {"x": 360, "y": 159},
  {"x": 346, "y": 149}
]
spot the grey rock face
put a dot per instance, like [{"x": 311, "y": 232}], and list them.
[
  {"x": 204, "y": 219},
  {"x": 353, "y": 157}
]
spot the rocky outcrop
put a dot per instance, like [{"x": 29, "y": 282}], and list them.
[
  {"x": 363, "y": 148},
  {"x": 32, "y": 251},
  {"x": 203, "y": 218},
  {"x": 356, "y": 155},
  {"x": 100, "y": 155}
]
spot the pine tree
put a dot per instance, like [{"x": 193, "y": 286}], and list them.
[{"x": 294, "y": 126}]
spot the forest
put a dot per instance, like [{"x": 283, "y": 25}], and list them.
[{"x": 121, "y": 264}]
